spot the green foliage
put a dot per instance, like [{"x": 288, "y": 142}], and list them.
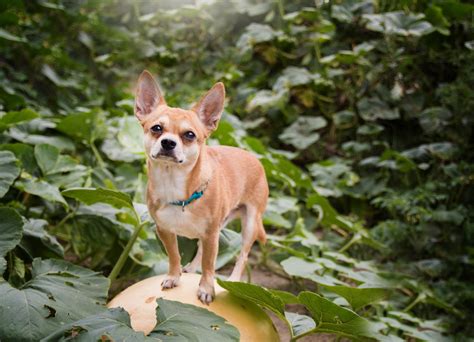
[
  {"x": 176, "y": 322},
  {"x": 360, "y": 112}
]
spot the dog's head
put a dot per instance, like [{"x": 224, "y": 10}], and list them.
[{"x": 175, "y": 135}]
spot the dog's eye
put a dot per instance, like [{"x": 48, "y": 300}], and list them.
[
  {"x": 156, "y": 129},
  {"x": 189, "y": 135}
]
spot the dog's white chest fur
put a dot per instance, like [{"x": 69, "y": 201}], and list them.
[
  {"x": 170, "y": 186},
  {"x": 173, "y": 219}
]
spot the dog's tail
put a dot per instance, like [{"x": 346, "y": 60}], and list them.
[{"x": 261, "y": 235}]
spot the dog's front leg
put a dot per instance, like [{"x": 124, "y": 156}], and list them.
[
  {"x": 210, "y": 245},
  {"x": 171, "y": 245}
]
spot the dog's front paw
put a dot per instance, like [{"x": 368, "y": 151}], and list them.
[
  {"x": 169, "y": 282},
  {"x": 206, "y": 294}
]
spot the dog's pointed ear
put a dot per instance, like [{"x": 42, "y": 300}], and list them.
[
  {"x": 148, "y": 95},
  {"x": 210, "y": 106}
]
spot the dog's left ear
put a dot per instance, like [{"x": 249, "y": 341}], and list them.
[{"x": 210, "y": 106}]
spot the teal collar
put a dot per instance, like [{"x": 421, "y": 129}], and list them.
[{"x": 196, "y": 195}]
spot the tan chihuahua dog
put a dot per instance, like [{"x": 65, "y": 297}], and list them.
[{"x": 193, "y": 189}]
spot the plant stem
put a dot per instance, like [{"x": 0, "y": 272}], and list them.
[
  {"x": 249, "y": 273},
  {"x": 96, "y": 152},
  {"x": 123, "y": 257},
  {"x": 354, "y": 239},
  {"x": 281, "y": 8},
  {"x": 412, "y": 304}
]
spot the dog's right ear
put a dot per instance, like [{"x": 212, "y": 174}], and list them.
[{"x": 148, "y": 96}]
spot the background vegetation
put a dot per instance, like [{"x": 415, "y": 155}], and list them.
[{"x": 360, "y": 111}]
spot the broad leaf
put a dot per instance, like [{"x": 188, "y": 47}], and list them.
[
  {"x": 293, "y": 77},
  {"x": 258, "y": 295},
  {"x": 176, "y": 322},
  {"x": 229, "y": 246},
  {"x": 11, "y": 229},
  {"x": 434, "y": 119},
  {"x": 185, "y": 322},
  {"x": 298, "y": 267},
  {"x": 300, "y": 324},
  {"x": 256, "y": 34},
  {"x": 112, "y": 325},
  {"x": 57, "y": 294},
  {"x": 42, "y": 189},
  {"x": 359, "y": 297},
  {"x": 46, "y": 157},
  {"x": 85, "y": 127},
  {"x": 302, "y": 133},
  {"x": 399, "y": 23},
  {"x": 130, "y": 135},
  {"x": 9, "y": 171},
  {"x": 37, "y": 242},
  {"x": 24, "y": 153},
  {"x": 90, "y": 196},
  {"x": 332, "y": 318},
  {"x": 13, "y": 118},
  {"x": 329, "y": 215},
  {"x": 265, "y": 99},
  {"x": 373, "y": 108},
  {"x": 61, "y": 142}
]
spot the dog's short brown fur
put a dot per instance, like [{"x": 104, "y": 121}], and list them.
[{"x": 180, "y": 163}]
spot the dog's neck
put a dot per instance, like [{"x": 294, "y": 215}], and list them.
[{"x": 169, "y": 182}]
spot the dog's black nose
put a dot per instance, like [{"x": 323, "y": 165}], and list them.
[{"x": 168, "y": 144}]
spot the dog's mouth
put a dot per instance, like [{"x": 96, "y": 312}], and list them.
[{"x": 166, "y": 156}]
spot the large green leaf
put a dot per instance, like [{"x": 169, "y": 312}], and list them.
[
  {"x": 85, "y": 127},
  {"x": 112, "y": 325},
  {"x": 13, "y": 118},
  {"x": 265, "y": 99},
  {"x": 90, "y": 196},
  {"x": 46, "y": 156},
  {"x": 399, "y": 23},
  {"x": 178, "y": 321},
  {"x": 302, "y": 133},
  {"x": 9, "y": 171},
  {"x": 357, "y": 297},
  {"x": 57, "y": 294},
  {"x": 256, "y": 34},
  {"x": 329, "y": 215},
  {"x": 23, "y": 135},
  {"x": 434, "y": 119},
  {"x": 258, "y": 295},
  {"x": 24, "y": 153},
  {"x": 373, "y": 108},
  {"x": 41, "y": 188},
  {"x": 130, "y": 135},
  {"x": 300, "y": 324},
  {"x": 332, "y": 318},
  {"x": 59, "y": 170},
  {"x": 298, "y": 267},
  {"x": 11, "y": 229},
  {"x": 276, "y": 207},
  {"x": 293, "y": 77},
  {"x": 37, "y": 242},
  {"x": 229, "y": 247}
]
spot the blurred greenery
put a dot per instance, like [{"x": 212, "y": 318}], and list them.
[{"x": 360, "y": 112}]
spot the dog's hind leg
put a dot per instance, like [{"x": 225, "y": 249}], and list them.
[
  {"x": 195, "y": 264},
  {"x": 251, "y": 228}
]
